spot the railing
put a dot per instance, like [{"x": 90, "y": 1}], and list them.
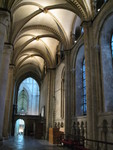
[
  {"x": 100, "y": 142},
  {"x": 71, "y": 140}
]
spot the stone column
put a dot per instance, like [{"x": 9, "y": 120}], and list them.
[
  {"x": 8, "y": 101},
  {"x": 3, "y": 81},
  {"x": 4, "y": 21},
  {"x": 67, "y": 93},
  {"x": 11, "y": 108},
  {"x": 51, "y": 97},
  {"x": 50, "y": 100},
  {"x": 99, "y": 81},
  {"x": 90, "y": 65},
  {"x": 47, "y": 107}
]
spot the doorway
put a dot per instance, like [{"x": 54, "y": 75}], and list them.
[{"x": 19, "y": 127}]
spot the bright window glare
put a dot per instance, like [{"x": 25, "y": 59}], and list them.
[
  {"x": 21, "y": 122},
  {"x": 28, "y": 97}
]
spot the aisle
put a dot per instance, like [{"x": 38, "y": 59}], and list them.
[{"x": 28, "y": 143}]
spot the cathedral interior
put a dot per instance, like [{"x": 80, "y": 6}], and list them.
[{"x": 56, "y": 70}]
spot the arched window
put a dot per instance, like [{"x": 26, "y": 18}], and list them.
[
  {"x": 80, "y": 83},
  {"x": 22, "y": 102},
  {"x": 84, "y": 107},
  {"x": 112, "y": 46},
  {"x": 106, "y": 49},
  {"x": 28, "y": 97}
]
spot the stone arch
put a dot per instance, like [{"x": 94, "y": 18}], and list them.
[
  {"x": 98, "y": 25},
  {"x": 106, "y": 62},
  {"x": 104, "y": 14},
  {"x": 33, "y": 99},
  {"x": 22, "y": 102},
  {"x": 73, "y": 73},
  {"x": 23, "y": 74},
  {"x": 19, "y": 127},
  {"x": 78, "y": 80}
]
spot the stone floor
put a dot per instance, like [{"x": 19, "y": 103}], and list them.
[{"x": 27, "y": 143}]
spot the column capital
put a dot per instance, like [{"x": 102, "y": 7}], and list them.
[
  {"x": 4, "y": 17},
  {"x": 11, "y": 67},
  {"x": 8, "y": 48}
]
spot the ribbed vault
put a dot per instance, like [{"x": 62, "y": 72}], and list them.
[{"x": 38, "y": 27}]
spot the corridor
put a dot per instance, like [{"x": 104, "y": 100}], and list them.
[{"x": 28, "y": 143}]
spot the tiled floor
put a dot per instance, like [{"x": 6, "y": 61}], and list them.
[{"x": 27, "y": 143}]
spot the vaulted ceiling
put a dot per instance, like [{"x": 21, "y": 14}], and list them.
[{"x": 40, "y": 27}]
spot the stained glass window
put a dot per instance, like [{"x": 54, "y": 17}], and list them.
[
  {"x": 112, "y": 46},
  {"x": 84, "y": 102}
]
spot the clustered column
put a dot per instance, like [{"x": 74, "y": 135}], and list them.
[
  {"x": 8, "y": 101},
  {"x": 3, "y": 81},
  {"x": 67, "y": 93},
  {"x": 50, "y": 100},
  {"x": 52, "y": 97},
  {"x": 4, "y": 21},
  {"x": 88, "y": 79},
  {"x": 90, "y": 60}
]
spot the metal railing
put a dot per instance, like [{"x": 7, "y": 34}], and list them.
[{"x": 97, "y": 144}]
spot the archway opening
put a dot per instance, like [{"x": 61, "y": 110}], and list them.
[
  {"x": 19, "y": 127},
  {"x": 28, "y": 97}
]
